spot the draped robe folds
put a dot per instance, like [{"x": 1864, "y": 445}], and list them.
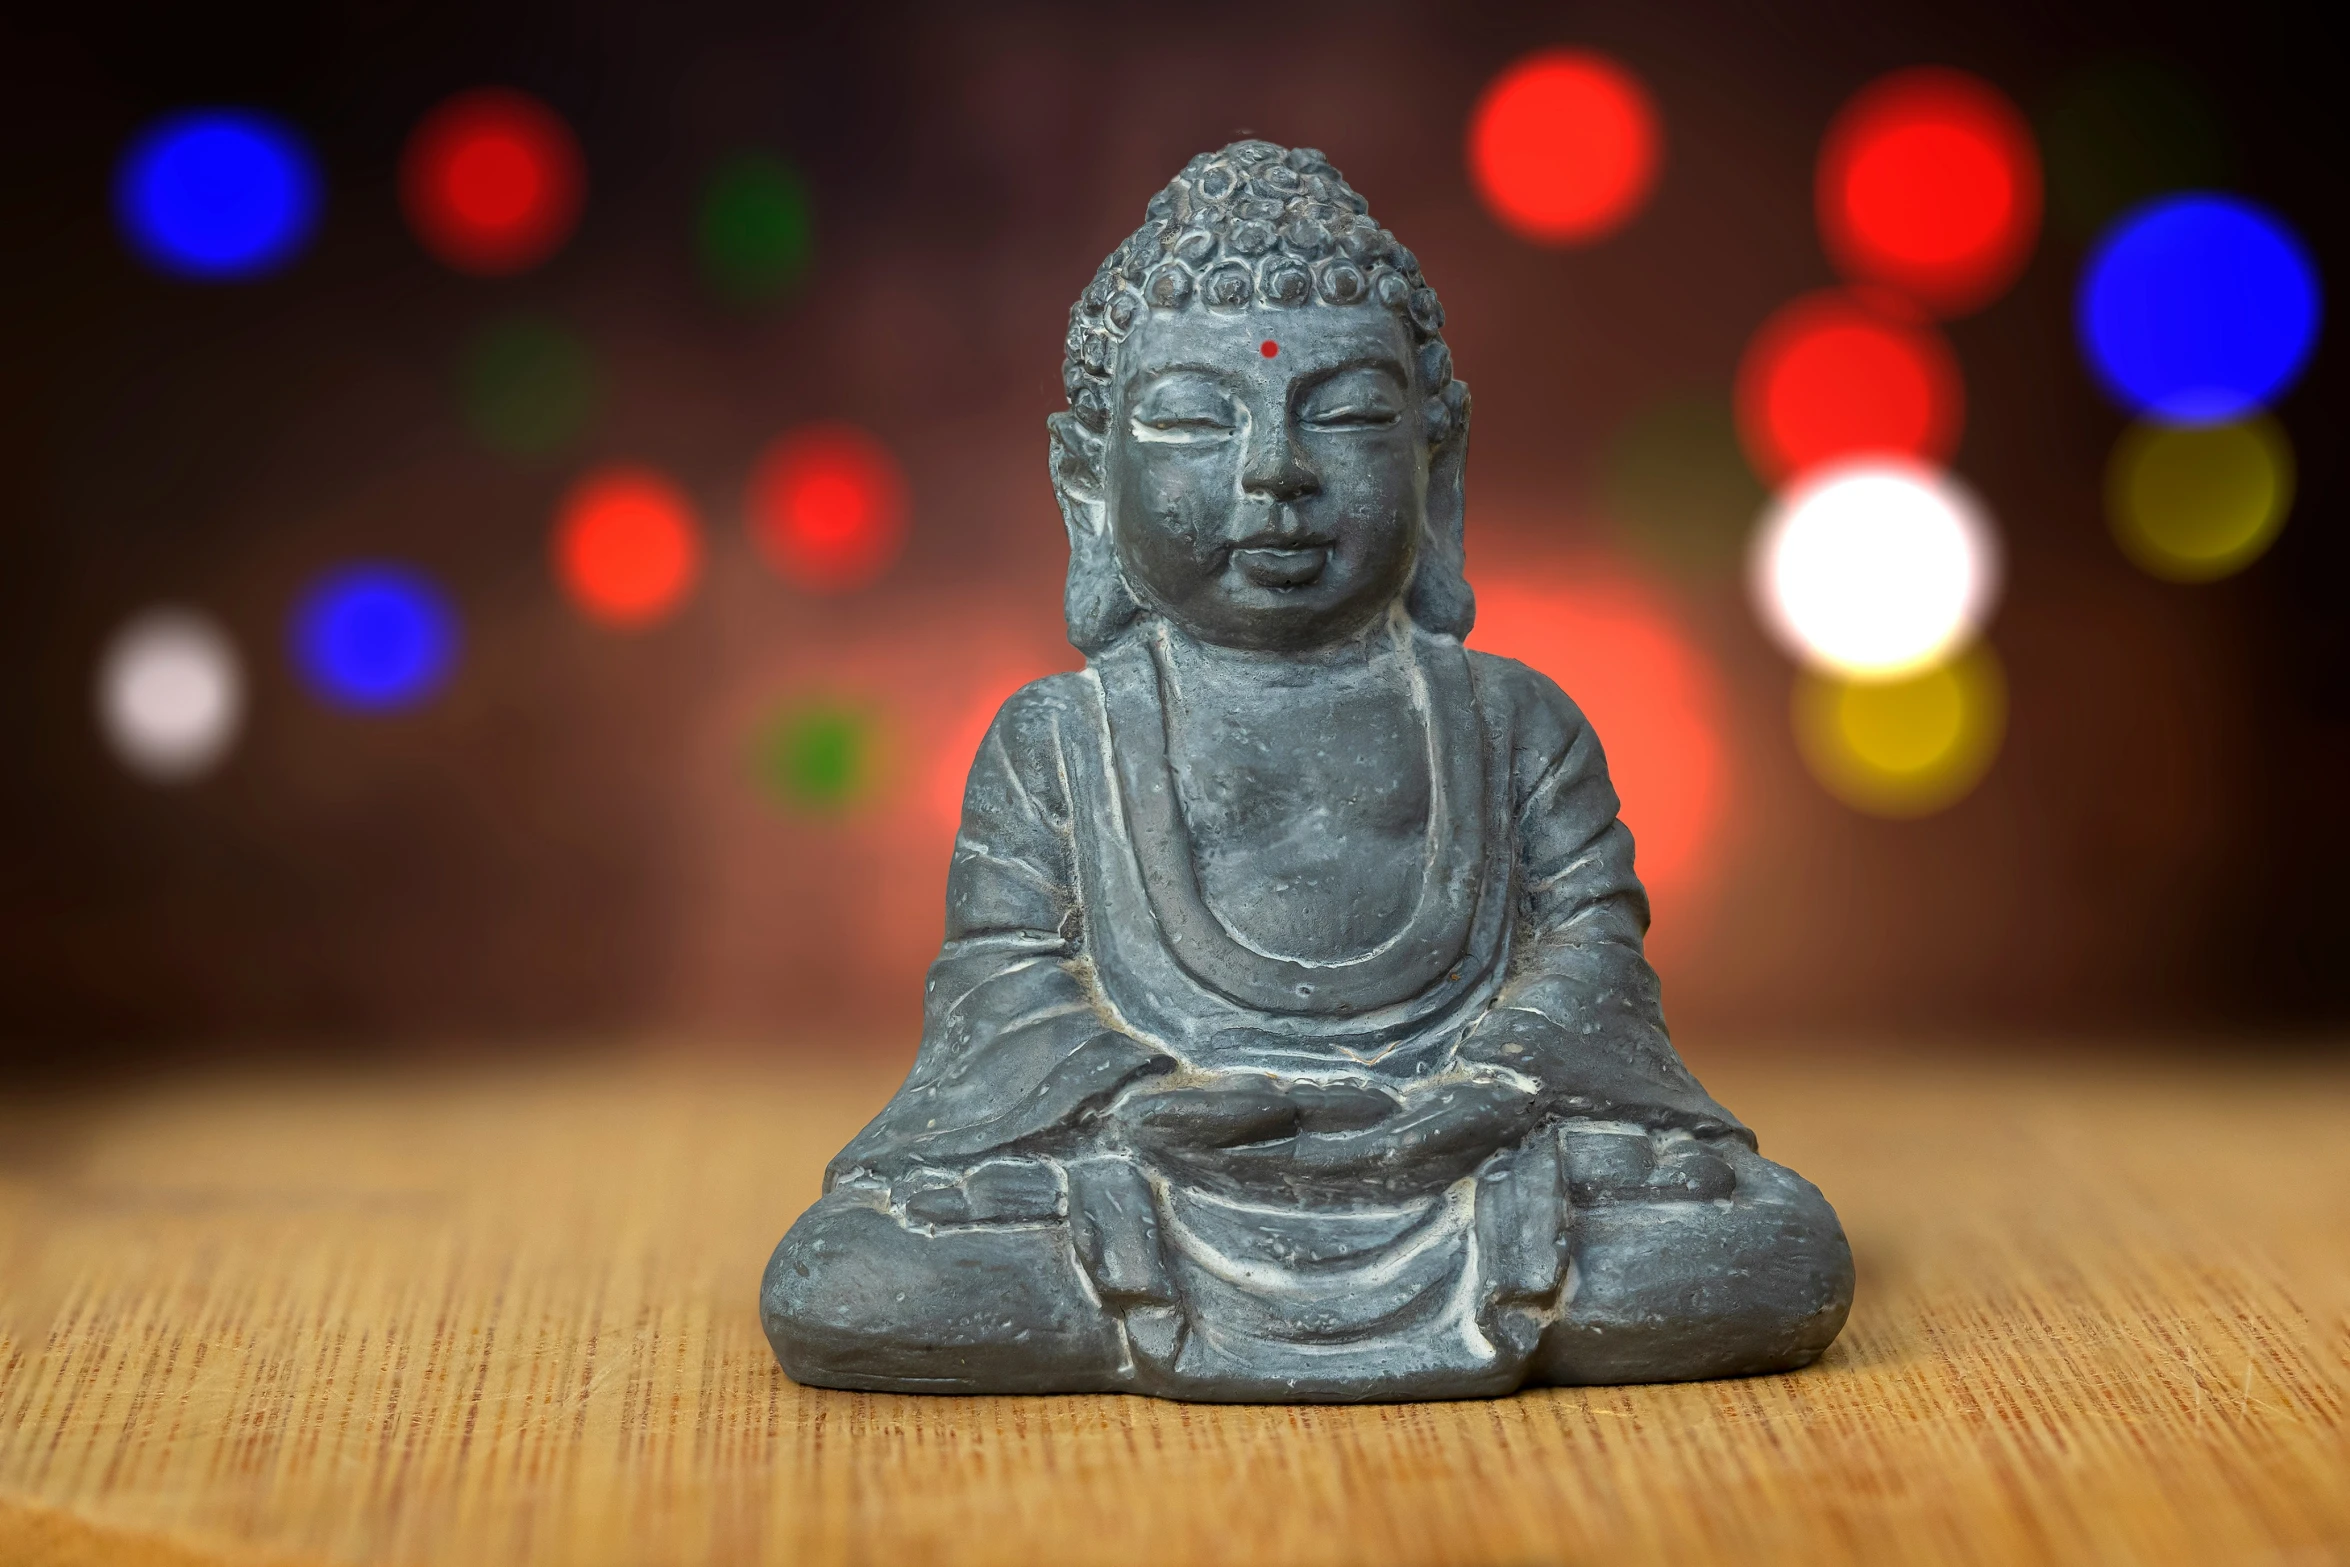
[{"x": 1080, "y": 960}]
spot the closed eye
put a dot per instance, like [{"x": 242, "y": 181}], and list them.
[
  {"x": 1184, "y": 406},
  {"x": 1365, "y": 416},
  {"x": 1360, "y": 397},
  {"x": 1184, "y": 429}
]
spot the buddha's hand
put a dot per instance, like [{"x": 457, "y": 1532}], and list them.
[
  {"x": 1190, "y": 1116},
  {"x": 1443, "y": 1128}
]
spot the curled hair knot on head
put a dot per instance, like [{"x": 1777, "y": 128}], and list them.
[{"x": 1253, "y": 222}]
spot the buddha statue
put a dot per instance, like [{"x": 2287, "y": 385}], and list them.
[{"x": 1291, "y": 1039}]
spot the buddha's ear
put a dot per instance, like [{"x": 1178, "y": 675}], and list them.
[
  {"x": 1077, "y": 473},
  {"x": 1440, "y": 600},
  {"x": 1097, "y": 602}
]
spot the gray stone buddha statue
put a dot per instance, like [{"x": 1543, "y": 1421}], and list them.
[{"x": 1291, "y": 1039}]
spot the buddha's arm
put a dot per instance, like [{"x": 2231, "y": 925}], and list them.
[
  {"x": 1580, "y": 1011},
  {"x": 1015, "y": 1051}
]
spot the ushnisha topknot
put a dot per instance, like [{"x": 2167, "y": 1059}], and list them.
[{"x": 1255, "y": 223}]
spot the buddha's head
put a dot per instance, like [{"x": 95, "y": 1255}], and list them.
[{"x": 1264, "y": 439}]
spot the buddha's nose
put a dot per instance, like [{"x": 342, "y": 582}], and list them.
[{"x": 1272, "y": 467}]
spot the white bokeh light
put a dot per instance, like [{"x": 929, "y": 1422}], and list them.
[
  {"x": 171, "y": 695},
  {"x": 1875, "y": 568}
]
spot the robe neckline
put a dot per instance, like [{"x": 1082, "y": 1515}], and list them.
[{"x": 1456, "y": 876}]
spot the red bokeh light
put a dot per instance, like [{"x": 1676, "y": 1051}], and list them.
[
  {"x": 1840, "y": 374},
  {"x": 1649, "y": 690},
  {"x": 1929, "y": 183},
  {"x": 1564, "y": 146},
  {"x": 627, "y": 549},
  {"x": 492, "y": 181},
  {"x": 828, "y": 507}
]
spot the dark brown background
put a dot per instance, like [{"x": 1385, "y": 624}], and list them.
[{"x": 565, "y": 846}]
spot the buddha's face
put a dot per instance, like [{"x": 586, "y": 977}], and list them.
[{"x": 1267, "y": 470}]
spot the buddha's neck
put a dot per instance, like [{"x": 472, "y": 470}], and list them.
[{"x": 1366, "y": 653}]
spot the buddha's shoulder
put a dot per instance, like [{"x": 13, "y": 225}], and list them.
[
  {"x": 1537, "y": 709},
  {"x": 1042, "y": 709}
]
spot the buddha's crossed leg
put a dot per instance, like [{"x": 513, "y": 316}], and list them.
[
  {"x": 1724, "y": 1274},
  {"x": 855, "y": 1299},
  {"x": 1743, "y": 1270},
  {"x": 941, "y": 1284}
]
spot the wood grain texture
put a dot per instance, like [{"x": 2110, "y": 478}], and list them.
[{"x": 2104, "y": 1316}]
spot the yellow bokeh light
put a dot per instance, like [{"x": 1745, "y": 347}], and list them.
[
  {"x": 2192, "y": 503},
  {"x": 1908, "y": 746}
]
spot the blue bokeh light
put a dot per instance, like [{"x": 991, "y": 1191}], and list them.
[
  {"x": 374, "y": 637},
  {"x": 217, "y": 194},
  {"x": 2198, "y": 308}
]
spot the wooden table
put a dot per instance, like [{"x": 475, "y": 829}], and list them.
[{"x": 508, "y": 1319}]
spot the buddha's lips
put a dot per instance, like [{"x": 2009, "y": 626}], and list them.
[{"x": 1274, "y": 566}]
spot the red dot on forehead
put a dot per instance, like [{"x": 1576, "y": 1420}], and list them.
[{"x": 1270, "y": 349}]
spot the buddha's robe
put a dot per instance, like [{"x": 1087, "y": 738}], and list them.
[{"x": 1080, "y": 960}]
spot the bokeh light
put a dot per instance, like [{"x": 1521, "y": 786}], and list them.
[
  {"x": 171, "y": 695},
  {"x": 2193, "y": 503},
  {"x": 1874, "y": 568},
  {"x": 1842, "y": 374},
  {"x": 1929, "y": 183},
  {"x": 1564, "y": 147},
  {"x": 2198, "y": 308},
  {"x": 1906, "y": 747},
  {"x": 627, "y": 548},
  {"x": 1676, "y": 488},
  {"x": 2124, "y": 132},
  {"x": 828, "y": 507},
  {"x": 374, "y": 637},
  {"x": 217, "y": 194},
  {"x": 821, "y": 755},
  {"x": 753, "y": 232},
  {"x": 529, "y": 386},
  {"x": 1618, "y": 649},
  {"x": 492, "y": 181}
]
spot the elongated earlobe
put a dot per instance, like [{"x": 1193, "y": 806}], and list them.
[
  {"x": 1440, "y": 600},
  {"x": 1097, "y": 601}
]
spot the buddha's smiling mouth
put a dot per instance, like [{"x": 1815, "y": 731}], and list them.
[{"x": 1282, "y": 566}]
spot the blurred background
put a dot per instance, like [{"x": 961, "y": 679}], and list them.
[{"x": 518, "y": 515}]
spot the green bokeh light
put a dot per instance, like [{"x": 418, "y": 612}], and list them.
[
  {"x": 528, "y": 386},
  {"x": 821, "y": 756},
  {"x": 1675, "y": 485},
  {"x": 755, "y": 231},
  {"x": 2125, "y": 131}
]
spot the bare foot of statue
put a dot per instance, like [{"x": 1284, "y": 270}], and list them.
[{"x": 1291, "y": 1039}]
